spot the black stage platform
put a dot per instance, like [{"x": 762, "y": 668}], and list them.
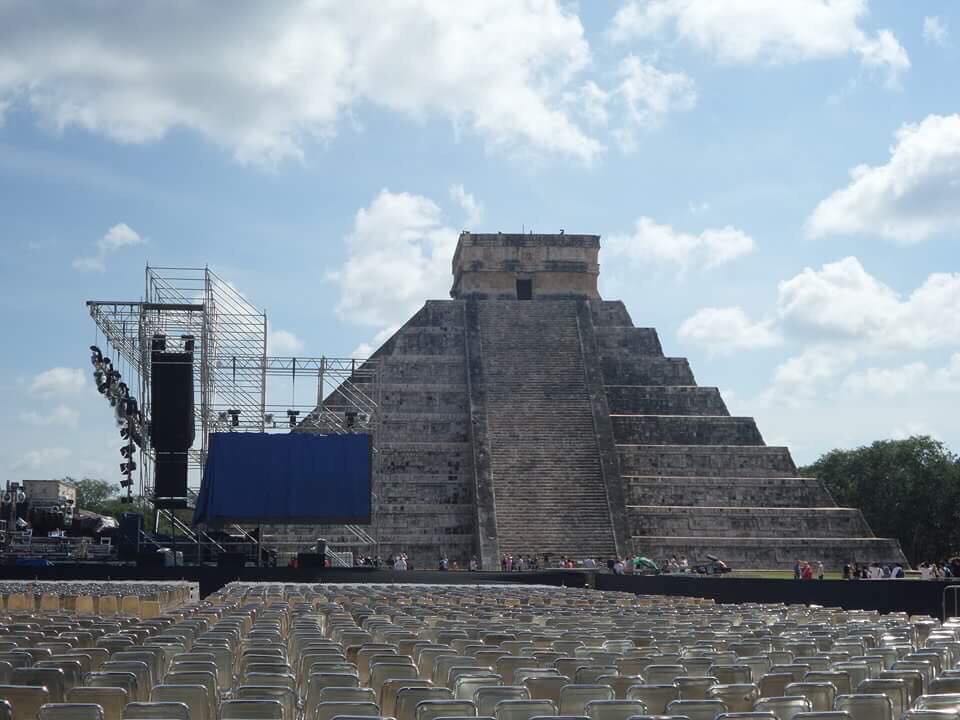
[{"x": 917, "y": 597}]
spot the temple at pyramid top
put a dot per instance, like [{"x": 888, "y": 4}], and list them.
[{"x": 516, "y": 266}]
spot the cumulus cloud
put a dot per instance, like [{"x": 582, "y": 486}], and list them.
[
  {"x": 116, "y": 238},
  {"x": 649, "y": 94},
  {"x": 935, "y": 31},
  {"x": 264, "y": 80},
  {"x": 767, "y": 31},
  {"x": 912, "y": 197},
  {"x": 654, "y": 243},
  {"x": 59, "y": 415},
  {"x": 797, "y": 379},
  {"x": 910, "y": 378},
  {"x": 59, "y": 381},
  {"x": 472, "y": 209},
  {"x": 726, "y": 330},
  {"x": 283, "y": 342},
  {"x": 398, "y": 255},
  {"x": 843, "y": 302}
]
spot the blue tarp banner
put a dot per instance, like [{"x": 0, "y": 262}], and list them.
[{"x": 293, "y": 477}]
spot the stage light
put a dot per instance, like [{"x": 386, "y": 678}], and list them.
[
  {"x": 222, "y": 417},
  {"x": 351, "y": 418},
  {"x": 268, "y": 420},
  {"x": 126, "y": 498},
  {"x": 125, "y": 484},
  {"x": 125, "y": 433},
  {"x": 128, "y": 467},
  {"x": 188, "y": 343},
  {"x": 126, "y": 451},
  {"x": 234, "y": 417},
  {"x": 292, "y": 417},
  {"x": 159, "y": 343}
]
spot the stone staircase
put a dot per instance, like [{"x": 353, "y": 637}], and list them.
[
  {"x": 545, "y": 463},
  {"x": 698, "y": 481}
]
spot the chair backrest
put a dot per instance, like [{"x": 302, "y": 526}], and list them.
[
  {"x": 784, "y": 707},
  {"x": 945, "y": 701},
  {"x": 156, "y": 711},
  {"x": 139, "y": 668},
  {"x": 663, "y": 674},
  {"x": 820, "y": 694},
  {"x": 731, "y": 674},
  {"x": 388, "y": 693},
  {"x": 347, "y": 694},
  {"x": 574, "y": 698},
  {"x": 51, "y": 678},
  {"x": 195, "y": 697},
  {"x": 840, "y": 679},
  {"x": 382, "y": 671},
  {"x": 692, "y": 687},
  {"x": 330, "y": 710},
  {"x": 943, "y": 685},
  {"x": 738, "y": 697},
  {"x": 25, "y": 700},
  {"x": 432, "y": 709},
  {"x": 486, "y": 698},
  {"x": 111, "y": 700},
  {"x": 862, "y": 706},
  {"x": 524, "y": 709},
  {"x": 696, "y": 709},
  {"x": 930, "y": 715},
  {"x": 72, "y": 669},
  {"x": 70, "y": 711},
  {"x": 546, "y": 687},
  {"x": 407, "y": 699},
  {"x": 614, "y": 709},
  {"x": 285, "y": 696},
  {"x": 893, "y": 688},
  {"x": 774, "y": 684},
  {"x": 823, "y": 715},
  {"x": 656, "y": 697}
]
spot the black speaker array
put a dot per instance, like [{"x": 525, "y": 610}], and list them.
[
  {"x": 130, "y": 525},
  {"x": 171, "y": 423}
]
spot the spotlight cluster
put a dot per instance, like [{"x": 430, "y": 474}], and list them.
[{"x": 133, "y": 427}]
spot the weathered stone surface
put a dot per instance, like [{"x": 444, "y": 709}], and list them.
[
  {"x": 555, "y": 426},
  {"x": 790, "y": 492},
  {"x": 706, "y": 461},
  {"x": 624, "y": 369},
  {"x": 637, "y": 341},
  {"x": 545, "y": 458},
  {"x": 664, "y": 400},
  {"x": 685, "y": 430},
  {"x": 685, "y": 521}
]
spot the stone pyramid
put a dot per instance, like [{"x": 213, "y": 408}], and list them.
[{"x": 529, "y": 416}]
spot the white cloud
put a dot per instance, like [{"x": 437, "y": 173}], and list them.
[
  {"x": 468, "y": 203},
  {"x": 116, "y": 238},
  {"x": 888, "y": 381},
  {"x": 727, "y": 330},
  {"x": 649, "y": 94},
  {"x": 398, "y": 255},
  {"x": 797, "y": 379},
  {"x": 842, "y": 301},
  {"x": 59, "y": 381},
  {"x": 912, "y": 378},
  {"x": 770, "y": 31},
  {"x": 266, "y": 80},
  {"x": 912, "y": 197},
  {"x": 46, "y": 460},
  {"x": 935, "y": 31},
  {"x": 651, "y": 242},
  {"x": 59, "y": 415},
  {"x": 283, "y": 342}
]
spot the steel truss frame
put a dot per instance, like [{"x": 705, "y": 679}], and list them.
[{"x": 232, "y": 371}]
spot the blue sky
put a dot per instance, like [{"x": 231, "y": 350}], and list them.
[{"x": 777, "y": 185}]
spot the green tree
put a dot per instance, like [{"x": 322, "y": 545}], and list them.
[
  {"x": 907, "y": 489},
  {"x": 93, "y": 494}
]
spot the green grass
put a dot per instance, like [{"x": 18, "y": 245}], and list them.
[{"x": 778, "y": 574}]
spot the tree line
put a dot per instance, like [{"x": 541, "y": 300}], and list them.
[{"x": 907, "y": 489}]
